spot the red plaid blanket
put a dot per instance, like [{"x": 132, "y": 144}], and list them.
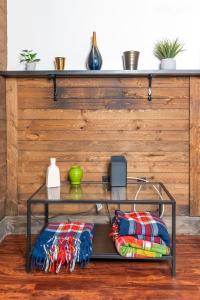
[
  {"x": 143, "y": 225},
  {"x": 139, "y": 235},
  {"x": 63, "y": 243}
]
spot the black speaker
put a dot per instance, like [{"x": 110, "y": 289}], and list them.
[{"x": 118, "y": 171}]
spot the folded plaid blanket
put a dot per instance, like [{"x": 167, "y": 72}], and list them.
[
  {"x": 143, "y": 225},
  {"x": 129, "y": 246},
  {"x": 154, "y": 239},
  {"x": 63, "y": 243}
]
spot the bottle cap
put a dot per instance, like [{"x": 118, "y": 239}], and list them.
[{"x": 53, "y": 161}]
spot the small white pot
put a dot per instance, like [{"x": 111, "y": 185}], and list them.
[
  {"x": 168, "y": 64},
  {"x": 31, "y": 66}
]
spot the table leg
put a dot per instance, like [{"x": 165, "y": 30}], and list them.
[
  {"x": 46, "y": 214},
  {"x": 28, "y": 239},
  {"x": 160, "y": 209},
  {"x": 160, "y": 205},
  {"x": 174, "y": 239}
]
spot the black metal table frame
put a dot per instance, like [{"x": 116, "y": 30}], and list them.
[{"x": 172, "y": 202}]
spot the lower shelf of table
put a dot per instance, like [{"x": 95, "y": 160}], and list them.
[{"x": 104, "y": 247}]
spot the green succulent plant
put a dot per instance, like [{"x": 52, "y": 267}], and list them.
[
  {"x": 28, "y": 56},
  {"x": 167, "y": 49}
]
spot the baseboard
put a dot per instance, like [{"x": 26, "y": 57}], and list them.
[
  {"x": 17, "y": 225},
  {"x": 5, "y": 228}
]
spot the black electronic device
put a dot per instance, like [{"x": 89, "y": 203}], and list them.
[{"x": 118, "y": 171}]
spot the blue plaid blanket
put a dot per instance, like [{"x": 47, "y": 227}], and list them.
[
  {"x": 63, "y": 244},
  {"x": 143, "y": 225}
]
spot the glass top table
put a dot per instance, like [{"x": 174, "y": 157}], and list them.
[
  {"x": 102, "y": 192},
  {"x": 135, "y": 195}
]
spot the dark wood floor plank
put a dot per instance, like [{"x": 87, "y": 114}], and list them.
[{"x": 102, "y": 279}]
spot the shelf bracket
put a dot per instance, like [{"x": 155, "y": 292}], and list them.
[
  {"x": 150, "y": 87},
  {"x": 55, "y": 92}
]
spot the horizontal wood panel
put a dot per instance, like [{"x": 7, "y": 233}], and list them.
[
  {"x": 181, "y": 199},
  {"x": 103, "y": 125},
  {"x": 73, "y": 207},
  {"x": 44, "y": 156},
  {"x": 75, "y": 135},
  {"x": 61, "y": 114},
  {"x": 46, "y": 103},
  {"x": 98, "y": 146},
  {"x": 91, "y": 167},
  {"x": 57, "y": 210},
  {"x": 181, "y": 196},
  {"x": 168, "y": 178},
  {"x": 96, "y": 93},
  {"x": 28, "y": 185},
  {"x": 38, "y": 178},
  {"x": 180, "y": 192},
  {"x": 160, "y": 82},
  {"x": 91, "y": 209}
]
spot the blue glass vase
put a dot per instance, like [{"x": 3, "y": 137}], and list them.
[{"x": 94, "y": 58}]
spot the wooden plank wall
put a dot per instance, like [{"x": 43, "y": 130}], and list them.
[
  {"x": 2, "y": 147},
  {"x": 95, "y": 118},
  {"x": 3, "y": 63},
  {"x": 194, "y": 146},
  {"x": 12, "y": 146}
]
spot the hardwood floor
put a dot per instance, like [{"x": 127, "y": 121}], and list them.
[{"x": 102, "y": 279}]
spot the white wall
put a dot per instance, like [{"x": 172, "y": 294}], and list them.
[{"x": 64, "y": 28}]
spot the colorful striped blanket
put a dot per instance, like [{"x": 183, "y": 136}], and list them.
[
  {"x": 143, "y": 225},
  {"x": 140, "y": 235},
  {"x": 129, "y": 246},
  {"x": 63, "y": 243}
]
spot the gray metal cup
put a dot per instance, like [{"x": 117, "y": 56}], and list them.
[{"x": 130, "y": 60}]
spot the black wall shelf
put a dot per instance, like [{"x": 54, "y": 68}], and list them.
[{"x": 103, "y": 73}]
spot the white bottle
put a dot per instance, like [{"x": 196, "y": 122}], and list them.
[{"x": 53, "y": 174}]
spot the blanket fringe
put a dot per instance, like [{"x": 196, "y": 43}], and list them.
[{"x": 50, "y": 255}]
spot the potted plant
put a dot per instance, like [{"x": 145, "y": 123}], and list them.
[
  {"x": 30, "y": 59},
  {"x": 166, "y": 51}
]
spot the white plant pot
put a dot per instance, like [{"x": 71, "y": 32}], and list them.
[
  {"x": 30, "y": 66},
  {"x": 168, "y": 64}
]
